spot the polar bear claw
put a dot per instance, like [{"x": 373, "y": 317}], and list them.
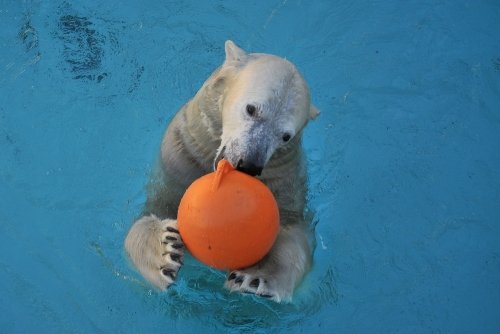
[{"x": 243, "y": 282}]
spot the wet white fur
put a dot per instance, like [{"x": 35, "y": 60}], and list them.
[{"x": 215, "y": 123}]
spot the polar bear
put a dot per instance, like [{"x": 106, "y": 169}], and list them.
[{"x": 251, "y": 111}]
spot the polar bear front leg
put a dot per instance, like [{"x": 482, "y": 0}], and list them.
[
  {"x": 155, "y": 248},
  {"x": 277, "y": 275}
]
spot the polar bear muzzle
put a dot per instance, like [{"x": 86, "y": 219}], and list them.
[
  {"x": 249, "y": 167},
  {"x": 249, "y": 162}
]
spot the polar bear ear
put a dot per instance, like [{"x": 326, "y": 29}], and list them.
[
  {"x": 233, "y": 52},
  {"x": 313, "y": 112}
]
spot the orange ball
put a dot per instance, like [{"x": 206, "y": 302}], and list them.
[{"x": 227, "y": 219}]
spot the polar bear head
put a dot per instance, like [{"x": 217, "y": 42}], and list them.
[{"x": 265, "y": 104}]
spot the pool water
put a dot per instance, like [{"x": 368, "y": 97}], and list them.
[{"x": 403, "y": 162}]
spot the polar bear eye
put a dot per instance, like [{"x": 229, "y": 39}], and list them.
[
  {"x": 251, "y": 109},
  {"x": 286, "y": 137}
]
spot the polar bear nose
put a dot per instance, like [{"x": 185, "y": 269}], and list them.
[{"x": 249, "y": 167}]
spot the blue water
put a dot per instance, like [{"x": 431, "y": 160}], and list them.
[{"x": 404, "y": 162}]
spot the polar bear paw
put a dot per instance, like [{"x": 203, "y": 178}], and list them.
[
  {"x": 252, "y": 281},
  {"x": 156, "y": 249}
]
